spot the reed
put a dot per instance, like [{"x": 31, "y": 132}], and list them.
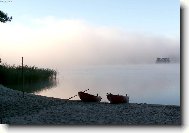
[{"x": 12, "y": 75}]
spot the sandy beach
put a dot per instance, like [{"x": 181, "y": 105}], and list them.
[{"x": 40, "y": 110}]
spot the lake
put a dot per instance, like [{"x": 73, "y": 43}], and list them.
[{"x": 152, "y": 83}]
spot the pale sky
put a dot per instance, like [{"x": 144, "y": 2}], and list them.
[
  {"x": 152, "y": 16},
  {"x": 89, "y": 32}
]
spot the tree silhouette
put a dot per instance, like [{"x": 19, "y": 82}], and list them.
[{"x": 4, "y": 17}]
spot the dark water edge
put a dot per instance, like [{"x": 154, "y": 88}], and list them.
[{"x": 34, "y": 87}]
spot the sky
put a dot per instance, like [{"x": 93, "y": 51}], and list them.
[{"x": 90, "y": 32}]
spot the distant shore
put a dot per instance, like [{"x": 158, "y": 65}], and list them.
[{"x": 40, "y": 110}]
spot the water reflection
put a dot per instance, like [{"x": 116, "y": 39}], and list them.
[
  {"x": 35, "y": 87},
  {"x": 156, "y": 84}
]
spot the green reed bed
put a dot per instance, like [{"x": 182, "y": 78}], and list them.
[{"x": 12, "y": 75}]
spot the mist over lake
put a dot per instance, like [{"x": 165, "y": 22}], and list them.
[
  {"x": 56, "y": 43},
  {"x": 150, "y": 83},
  {"x": 103, "y": 59}
]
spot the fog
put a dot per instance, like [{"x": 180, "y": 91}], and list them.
[{"x": 55, "y": 43}]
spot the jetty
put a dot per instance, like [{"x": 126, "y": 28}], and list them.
[{"x": 163, "y": 60}]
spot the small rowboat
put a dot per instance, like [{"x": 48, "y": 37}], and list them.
[
  {"x": 117, "y": 98},
  {"x": 85, "y": 97}
]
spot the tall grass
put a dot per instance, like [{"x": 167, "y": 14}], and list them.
[{"x": 12, "y": 75}]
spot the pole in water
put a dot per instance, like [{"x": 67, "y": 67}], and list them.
[{"x": 22, "y": 77}]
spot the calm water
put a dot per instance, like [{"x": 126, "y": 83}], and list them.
[{"x": 156, "y": 83}]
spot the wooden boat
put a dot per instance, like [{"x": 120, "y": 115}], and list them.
[
  {"x": 117, "y": 98},
  {"x": 85, "y": 97}
]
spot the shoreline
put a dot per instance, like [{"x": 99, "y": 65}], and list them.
[{"x": 41, "y": 110}]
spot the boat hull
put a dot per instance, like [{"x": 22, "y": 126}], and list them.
[
  {"x": 85, "y": 97},
  {"x": 115, "y": 99}
]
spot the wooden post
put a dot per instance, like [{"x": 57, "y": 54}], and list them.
[
  {"x": 1, "y": 112},
  {"x": 55, "y": 77},
  {"x": 22, "y": 77}
]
